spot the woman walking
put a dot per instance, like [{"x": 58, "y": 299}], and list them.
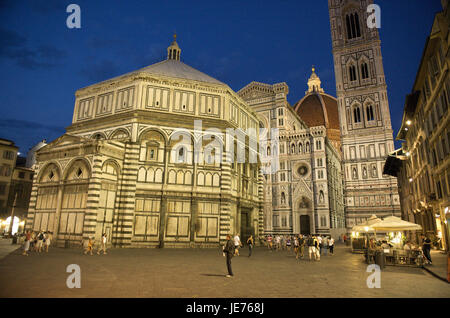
[
  {"x": 250, "y": 245},
  {"x": 26, "y": 245}
]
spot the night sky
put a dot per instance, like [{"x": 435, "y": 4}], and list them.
[{"x": 43, "y": 63}]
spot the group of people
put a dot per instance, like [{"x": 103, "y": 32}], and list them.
[
  {"x": 36, "y": 241},
  {"x": 316, "y": 244},
  {"x": 89, "y": 246},
  {"x": 423, "y": 248}
]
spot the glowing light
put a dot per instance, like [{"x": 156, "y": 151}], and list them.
[
  {"x": 366, "y": 228},
  {"x": 15, "y": 226},
  {"x": 408, "y": 122},
  {"x": 410, "y": 179}
]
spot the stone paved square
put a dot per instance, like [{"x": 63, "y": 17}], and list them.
[{"x": 200, "y": 273}]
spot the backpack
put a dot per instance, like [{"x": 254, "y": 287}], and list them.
[
  {"x": 310, "y": 241},
  {"x": 41, "y": 236}
]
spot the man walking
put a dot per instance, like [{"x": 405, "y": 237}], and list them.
[
  {"x": 325, "y": 245},
  {"x": 331, "y": 245},
  {"x": 426, "y": 247},
  {"x": 237, "y": 244},
  {"x": 229, "y": 251}
]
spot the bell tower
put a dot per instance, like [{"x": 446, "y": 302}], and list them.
[{"x": 365, "y": 121}]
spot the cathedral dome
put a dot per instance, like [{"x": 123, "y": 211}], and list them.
[{"x": 317, "y": 108}]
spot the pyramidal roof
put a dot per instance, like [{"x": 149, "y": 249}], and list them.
[
  {"x": 173, "y": 67},
  {"x": 176, "y": 68}
]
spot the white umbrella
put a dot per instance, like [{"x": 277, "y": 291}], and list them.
[
  {"x": 393, "y": 223},
  {"x": 366, "y": 226}
]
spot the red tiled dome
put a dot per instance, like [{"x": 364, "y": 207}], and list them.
[{"x": 318, "y": 109}]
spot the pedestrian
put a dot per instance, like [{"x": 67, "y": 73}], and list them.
[
  {"x": 103, "y": 245},
  {"x": 331, "y": 245},
  {"x": 229, "y": 250},
  {"x": 32, "y": 241},
  {"x": 316, "y": 244},
  {"x": 237, "y": 244},
  {"x": 250, "y": 245},
  {"x": 48, "y": 240},
  {"x": 26, "y": 245},
  {"x": 325, "y": 245},
  {"x": 426, "y": 247},
  {"x": 269, "y": 242},
  {"x": 40, "y": 241},
  {"x": 311, "y": 247},
  {"x": 296, "y": 247},
  {"x": 278, "y": 243},
  {"x": 301, "y": 245},
  {"x": 319, "y": 240},
  {"x": 89, "y": 246}
]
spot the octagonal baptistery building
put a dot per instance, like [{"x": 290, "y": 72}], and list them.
[{"x": 144, "y": 161}]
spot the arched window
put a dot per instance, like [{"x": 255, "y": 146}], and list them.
[
  {"x": 307, "y": 147},
  {"x": 353, "y": 27},
  {"x": 364, "y": 71},
  {"x": 352, "y": 73},
  {"x": 357, "y": 115},
  {"x": 283, "y": 198},
  {"x": 293, "y": 148},
  {"x": 369, "y": 113}
]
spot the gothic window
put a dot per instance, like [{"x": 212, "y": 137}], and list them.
[
  {"x": 283, "y": 198},
  {"x": 353, "y": 27},
  {"x": 293, "y": 148},
  {"x": 268, "y": 151},
  {"x": 300, "y": 148},
  {"x": 352, "y": 73},
  {"x": 357, "y": 115},
  {"x": 369, "y": 113},
  {"x": 307, "y": 147},
  {"x": 364, "y": 71},
  {"x": 281, "y": 148}
]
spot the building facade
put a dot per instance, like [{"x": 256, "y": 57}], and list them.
[
  {"x": 304, "y": 195},
  {"x": 138, "y": 164},
  {"x": 365, "y": 124},
  {"x": 423, "y": 169},
  {"x": 8, "y": 157}
]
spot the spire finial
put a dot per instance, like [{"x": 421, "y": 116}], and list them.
[
  {"x": 175, "y": 36},
  {"x": 313, "y": 69}
]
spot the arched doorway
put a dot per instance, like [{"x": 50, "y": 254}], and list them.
[{"x": 71, "y": 220}]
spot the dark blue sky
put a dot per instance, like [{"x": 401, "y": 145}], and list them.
[{"x": 43, "y": 63}]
